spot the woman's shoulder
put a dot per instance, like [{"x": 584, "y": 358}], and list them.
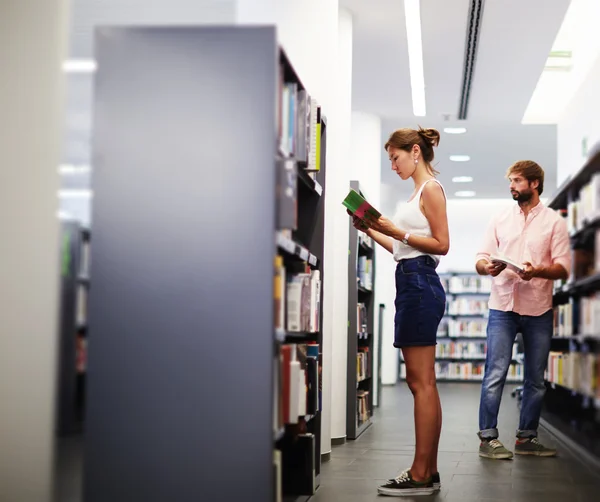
[{"x": 433, "y": 187}]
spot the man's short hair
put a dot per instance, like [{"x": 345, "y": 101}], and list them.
[{"x": 530, "y": 170}]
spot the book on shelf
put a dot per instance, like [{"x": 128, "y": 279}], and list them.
[
  {"x": 358, "y": 206},
  {"x": 466, "y": 284},
  {"x": 299, "y": 124},
  {"x": 362, "y": 319},
  {"x": 467, "y": 306},
  {"x": 365, "y": 272},
  {"x": 362, "y": 364},
  {"x": 509, "y": 262},
  {"x": 286, "y": 195},
  {"x": 467, "y": 371},
  {"x": 297, "y": 383},
  {"x": 363, "y": 411},
  {"x": 576, "y": 371},
  {"x": 297, "y": 300}
]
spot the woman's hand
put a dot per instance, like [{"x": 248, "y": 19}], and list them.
[
  {"x": 383, "y": 225},
  {"x": 358, "y": 223}
]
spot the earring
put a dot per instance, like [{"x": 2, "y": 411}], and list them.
[{"x": 416, "y": 161}]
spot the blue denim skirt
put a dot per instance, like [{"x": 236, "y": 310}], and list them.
[{"x": 420, "y": 302}]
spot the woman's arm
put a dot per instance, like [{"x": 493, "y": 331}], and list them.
[
  {"x": 384, "y": 241},
  {"x": 434, "y": 208}
]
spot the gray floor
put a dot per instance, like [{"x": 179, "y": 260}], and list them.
[{"x": 358, "y": 467}]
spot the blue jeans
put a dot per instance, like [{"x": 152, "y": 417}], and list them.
[{"x": 502, "y": 330}]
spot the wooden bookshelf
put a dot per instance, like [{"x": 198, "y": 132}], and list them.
[
  {"x": 461, "y": 338},
  {"x": 572, "y": 400},
  {"x": 361, "y": 322},
  {"x": 74, "y": 285},
  {"x": 202, "y": 217}
]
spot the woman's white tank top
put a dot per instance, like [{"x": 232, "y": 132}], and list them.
[{"x": 411, "y": 219}]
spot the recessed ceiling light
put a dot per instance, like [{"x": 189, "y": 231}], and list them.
[
  {"x": 75, "y": 194},
  {"x": 462, "y": 179},
  {"x": 79, "y": 66},
  {"x": 73, "y": 169},
  {"x": 460, "y": 158},
  {"x": 412, "y": 14},
  {"x": 455, "y": 130},
  {"x": 465, "y": 193}
]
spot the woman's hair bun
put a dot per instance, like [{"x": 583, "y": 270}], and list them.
[{"x": 431, "y": 136}]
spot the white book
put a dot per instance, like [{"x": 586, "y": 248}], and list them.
[{"x": 510, "y": 264}]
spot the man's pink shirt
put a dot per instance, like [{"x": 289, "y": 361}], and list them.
[{"x": 542, "y": 239}]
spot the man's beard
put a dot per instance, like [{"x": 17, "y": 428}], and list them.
[{"x": 522, "y": 197}]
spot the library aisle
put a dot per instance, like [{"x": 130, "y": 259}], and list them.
[{"x": 358, "y": 467}]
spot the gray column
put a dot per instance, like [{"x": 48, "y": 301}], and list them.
[{"x": 32, "y": 42}]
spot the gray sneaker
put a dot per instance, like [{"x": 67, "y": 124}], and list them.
[
  {"x": 492, "y": 448},
  {"x": 533, "y": 447}
]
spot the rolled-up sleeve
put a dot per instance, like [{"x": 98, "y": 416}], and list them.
[
  {"x": 489, "y": 245},
  {"x": 560, "y": 247}
]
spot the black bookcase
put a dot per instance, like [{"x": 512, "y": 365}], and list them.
[
  {"x": 572, "y": 401},
  {"x": 74, "y": 284},
  {"x": 188, "y": 210},
  {"x": 361, "y": 321}
]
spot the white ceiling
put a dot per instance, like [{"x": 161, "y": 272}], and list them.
[{"x": 516, "y": 37}]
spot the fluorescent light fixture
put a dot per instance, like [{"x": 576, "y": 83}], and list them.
[
  {"x": 462, "y": 179},
  {"x": 79, "y": 66},
  {"x": 460, "y": 158},
  {"x": 465, "y": 193},
  {"x": 575, "y": 50},
  {"x": 455, "y": 130},
  {"x": 73, "y": 169},
  {"x": 75, "y": 194},
  {"x": 412, "y": 13}
]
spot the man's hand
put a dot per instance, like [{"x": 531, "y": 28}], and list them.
[
  {"x": 494, "y": 268},
  {"x": 529, "y": 272}
]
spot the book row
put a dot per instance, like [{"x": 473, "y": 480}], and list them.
[
  {"x": 468, "y": 371},
  {"x": 298, "y": 123},
  {"x": 577, "y": 371},
  {"x": 467, "y": 306},
  {"x": 365, "y": 240},
  {"x": 365, "y": 272},
  {"x": 578, "y": 317},
  {"x": 587, "y": 207},
  {"x": 297, "y": 299},
  {"x": 363, "y": 409},
  {"x": 462, "y": 328},
  {"x": 363, "y": 365},
  {"x": 297, "y": 384},
  {"x": 467, "y": 284},
  {"x": 294, "y": 467},
  {"x": 362, "y": 320}
]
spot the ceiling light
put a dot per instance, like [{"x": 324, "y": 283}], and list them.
[
  {"x": 79, "y": 66},
  {"x": 73, "y": 169},
  {"x": 462, "y": 179},
  {"x": 460, "y": 158},
  {"x": 412, "y": 13},
  {"x": 455, "y": 130},
  {"x": 75, "y": 194},
  {"x": 465, "y": 193}
]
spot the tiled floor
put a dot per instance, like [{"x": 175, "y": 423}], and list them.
[{"x": 358, "y": 467}]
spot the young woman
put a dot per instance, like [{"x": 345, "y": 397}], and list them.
[{"x": 417, "y": 237}]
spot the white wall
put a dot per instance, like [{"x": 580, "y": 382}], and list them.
[
  {"x": 337, "y": 219},
  {"x": 580, "y": 120},
  {"x": 32, "y": 48},
  {"x": 467, "y": 221}
]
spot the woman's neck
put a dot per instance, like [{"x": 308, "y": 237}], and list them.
[{"x": 421, "y": 175}]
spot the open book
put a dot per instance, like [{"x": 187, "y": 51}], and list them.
[
  {"x": 358, "y": 206},
  {"x": 510, "y": 264}
]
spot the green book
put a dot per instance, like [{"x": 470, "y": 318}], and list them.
[{"x": 358, "y": 206}]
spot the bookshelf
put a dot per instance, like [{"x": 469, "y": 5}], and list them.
[
  {"x": 572, "y": 400},
  {"x": 205, "y": 360},
  {"x": 361, "y": 322},
  {"x": 74, "y": 284},
  {"x": 461, "y": 338}
]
